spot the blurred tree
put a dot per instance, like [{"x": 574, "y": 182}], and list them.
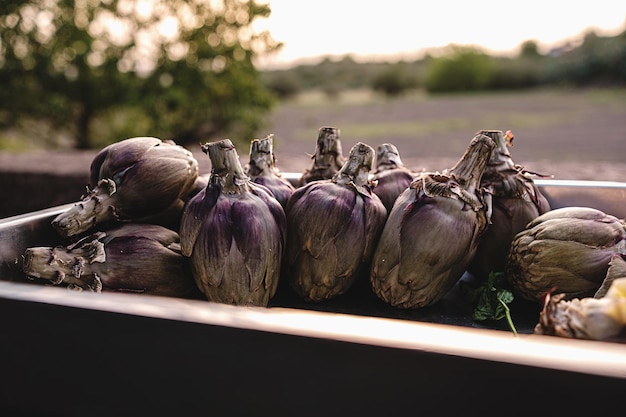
[
  {"x": 460, "y": 68},
  {"x": 185, "y": 64},
  {"x": 529, "y": 49}
]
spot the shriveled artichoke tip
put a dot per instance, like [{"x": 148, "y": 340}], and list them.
[
  {"x": 262, "y": 161},
  {"x": 328, "y": 157},
  {"x": 356, "y": 169},
  {"x": 388, "y": 156},
  {"x": 415, "y": 264},
  {"x": 69, "y": 266},
  {"x": 226, "y": 167},
  {"x": 98, "y": 206}
]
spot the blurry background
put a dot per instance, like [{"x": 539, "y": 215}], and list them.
[{"x": 76, "y": 75}]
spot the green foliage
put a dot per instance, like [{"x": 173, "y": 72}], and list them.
[
  {"x": 284, "y": 84},
  {"x": 461, "y": 68},
  {"x": 529, "y": 49},
  {"x": 183, "y": 66},
  {"x": 491, "y": 300},
  {"x": 597, "y": 61},
  {"x": 394, "y": 80},
  {"x": 511, "y": 74}
]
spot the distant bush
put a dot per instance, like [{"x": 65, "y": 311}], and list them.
[
  {"x": 512, "y": 74},
  {"x": 284, "y": 84},
  {"x": 461, "y": 68},
  {"x": 394, "y": 80},
  {"x": 597, "y": 61}
]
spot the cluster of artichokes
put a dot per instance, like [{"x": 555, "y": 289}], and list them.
[
  {"x": 151, "y": 224},
  {"x": 121, "y": 235}
]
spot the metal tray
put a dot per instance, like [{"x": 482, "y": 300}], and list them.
[{"x": 69, "y": 353}]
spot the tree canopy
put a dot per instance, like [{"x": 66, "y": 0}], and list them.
[{"x": 101, "y": 69}]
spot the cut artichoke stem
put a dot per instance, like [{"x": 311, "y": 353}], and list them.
[
  {"x": 388, "y": 157},
  {"x": 328, "y": 147},
  {"x": 262, "y": 169},
  {"x": 262, "y": 158},
  {"x": 469, "y": 169},
  {"x": 356, "y": 169},
  {"x": 71, "y": 267},
  {"x": 328, "y": 157},
  {"x": 95, "y": 208},
  {"x": 226, "y": 168}
]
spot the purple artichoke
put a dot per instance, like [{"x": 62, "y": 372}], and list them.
[
  {"x": 234, "y": 233},
  {"x": 262, "y": 169},
  {"x": 516, "y": 201},
  {"x": 327, "y": 159},
  {"x": 390, "y": 176},
  {"x": 333, "y": 227},
  {"x": 566, "y": 250},
  {"x": 141, "y": 179},
  {"x": 137, "y": 258},
  {"x": 433, "y": 231}
]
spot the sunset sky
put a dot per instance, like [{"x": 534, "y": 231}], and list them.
[{"x": 404, "y": 28}]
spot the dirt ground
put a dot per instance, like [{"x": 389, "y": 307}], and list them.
[{"x": 573, "y": 135}]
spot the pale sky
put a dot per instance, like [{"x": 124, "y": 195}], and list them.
[{"x": 314, "y": 28}]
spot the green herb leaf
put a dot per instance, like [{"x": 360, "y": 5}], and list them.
[{"x": 492, "y": 300}]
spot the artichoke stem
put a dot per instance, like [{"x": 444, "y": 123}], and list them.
[
  {"x": 226, "y": 169},
  {"x": 97, "y": 207},
  {"x": 58, "y": 265},
  {"x": 469, "y": 169},
  {"x": 358, "y": 166}
]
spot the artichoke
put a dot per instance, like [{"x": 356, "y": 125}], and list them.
[
  {"x": 262, "y": 169},
  {"x": 234, "y": 233},
  {"x": 327, "y": 159},
  {"x": 133, "y": 257},
  {"x": 566, "y": 250},
  {"x": 141, "y": 179},
  {"x": 332, "y": 227},
  {"x": 390, "y": 176},
  {"x": 516, "y": 200},
  {"x": 433, "y": 231},
  {"x": 586, "y": 318}
]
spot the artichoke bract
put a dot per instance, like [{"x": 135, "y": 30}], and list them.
[
  {"x": 328, "y": 157},
  {"x": 433, "y": 231},
  {"x": 234, "y": 233},
  {"x": 565, "y": 250},
  {"x": 333, "y": 227},
  {"x": 390, "y": 176},
  {"x": 262, "y": 169},
  {"x": 137, "y": 258},
  {"x": 141, "y": 179},
  {"x": 516, "y": 200}
]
